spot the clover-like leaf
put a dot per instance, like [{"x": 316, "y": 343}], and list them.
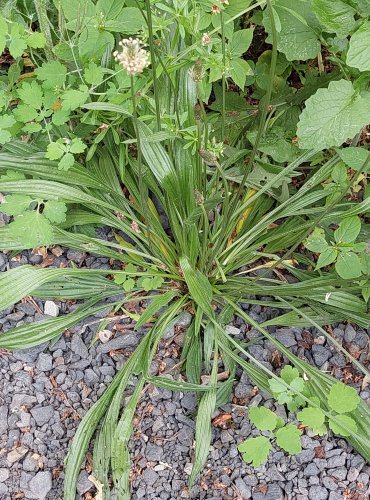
[
  {"x": 33, "y": 228},
  {"x": 255, "y": 450},
  {"x": 15, "y": 204},
  {"x": 55, "y": 150},
  {"x": 311, "y": 417},
  {"x": 342, "y": 398},
  {"x": 289, "y": 373},
  {"x": 263, "y": 418},
  {"x": 288, "y": 438},
  {"x": 52, "y": 73},
  {"x": 55, "y": 211},
  {"x": 31, "y": 94}
]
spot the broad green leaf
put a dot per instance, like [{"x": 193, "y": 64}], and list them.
[
  {"x": 6, "y": 121},
  {"x": 239, "y": 70},
  {"x": 297, "y": 384},
  {"x": 36, "y": 40},
  {"x": 81, "y": 10},
  {"x": 92, "y": 43},
  {"x": 277, "y": 386},
  {"x": 335, "y": 16},
  {"x": 289, "y": 373},
  {"x": 31, "y": 94},
  {"x": 55, "y": 211},
  {"x": 333, "y": 115},
  {"x": 199, "y": 287},
  {"x": 255, "y": 450},
  {"x": 52, "y": 73},
  {"x": 66, "y": 162},
  {"x": 263, "y": 418},
  {"x": 311, "y": 417},
  {"x": 25, "y": 113},
  {"x": 358, "y": 55},
  {"x": 348, "y": 230},
  {"x": 34, "y": 229},
  {"x": 130, "y": 21},
  {"x": 289, "y": 438},
  {"x": 354, "y": 157},
  {"x": 5, "y": 136},
  {"x": 297, "y": 38},
  {"x": 343, "y": 398},
  {"x": 347, "y": 421},
  {"x": 316, "y": 241},
  {"x": 15, "y": 204},
  {"x": 327, "y": 257},
  {"x": 17, "y": 46},
  {"x": 109, "y": 8},
  {"x": 94, "y": 74},
  {"x": 77, "y": 146},
  {"x": 73, "y": 99},
  {"x": 348, "y": 265},
  {"x": 240, "y": 42},
  {"x": 339, "y": 173},
  {"x": 55, "y": 150}
]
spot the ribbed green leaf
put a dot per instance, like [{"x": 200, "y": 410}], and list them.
[
  {"x": 38, "y": 332},
  {"x": 157, "y": 159},
  {"x": 199, "y": 286},
  {"x": 21, "y": 281},
  {"x": 47, "y": 169},
  {"x": 50, "y": 190},
  {"x": 106, "y": 106},
  {"x": 120, "y": 453},
  {"x": 157, "y": 303},
  {"x": 203, "y": 432}
]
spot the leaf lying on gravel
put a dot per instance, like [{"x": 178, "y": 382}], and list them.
[
  {"x": 255, "y": 450},
  {"x": 343, "y": 398}
]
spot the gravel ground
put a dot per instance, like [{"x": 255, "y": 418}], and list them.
[{"x": 45, "y": 391}]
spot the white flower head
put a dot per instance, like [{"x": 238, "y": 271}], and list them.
[
  {"x": 206, "y": 39},
  {"x": 133, "y": 56}
]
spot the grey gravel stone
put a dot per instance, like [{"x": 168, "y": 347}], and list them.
[
  {"x": 243, "y": 489},
  {"x": 336, "y": 461},
  {"x": 44, "y": 362},
  {"x": 42, "y": 414},
  {"x": 40, "y": 485},
  {"x": 286, "y": 337},
  {"x": 320, "y": 354},
  {"x": 153, "y": 452},
  {"x": 318, "y": 493},
  {"x": 149, "y": 477},
  {"x": 83, "y": 483},
  {"x": 4, "y": 474},
  {"x": 78, "y": 346},
  {"x": 119, "y": 342}
]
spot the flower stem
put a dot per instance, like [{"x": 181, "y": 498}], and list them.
[{"x": 153, "y": 63}]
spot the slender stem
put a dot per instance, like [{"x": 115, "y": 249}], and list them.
[
  {"x": 223, "y": 77},
  {"x": 265, "y": 106},
  {"x": 153, "y": 63},
  {"x": 142, "y": 190}
]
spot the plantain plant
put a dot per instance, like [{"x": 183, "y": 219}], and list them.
[{"x": 195, "y": 209}]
